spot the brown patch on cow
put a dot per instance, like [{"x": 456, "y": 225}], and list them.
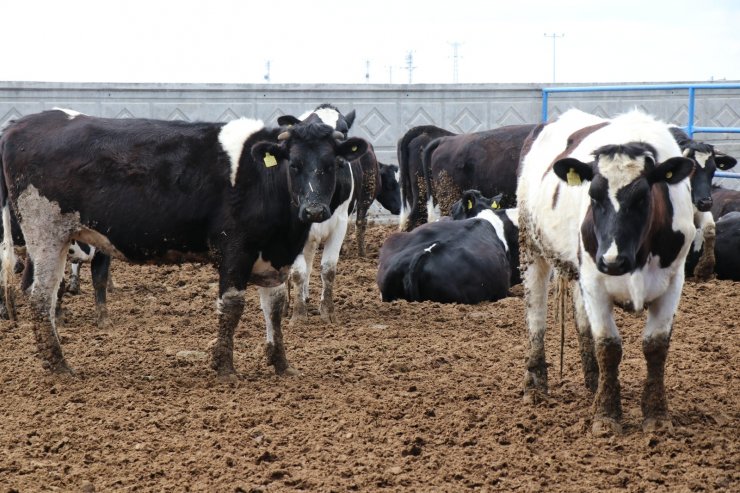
[
  {"x": 573, "y": 142},
  {"x": 588, "y": 236}
]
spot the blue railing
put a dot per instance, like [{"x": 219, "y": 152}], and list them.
[{"x": 690, "y": 128}]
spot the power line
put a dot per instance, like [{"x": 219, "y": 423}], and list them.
[{"x": 554, "y": 37}]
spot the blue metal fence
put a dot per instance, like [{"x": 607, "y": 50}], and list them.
[{"x": 690, "y": 128}]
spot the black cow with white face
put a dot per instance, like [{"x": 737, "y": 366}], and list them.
[
  {"x": 706, "y": 160},
  {"x": 462, "y": 261},
  {"x": 236, "y": 194}
]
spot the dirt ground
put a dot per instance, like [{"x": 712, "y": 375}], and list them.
[{"x": 396, "y": 397}]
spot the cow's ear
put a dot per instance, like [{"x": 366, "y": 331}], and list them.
[
  {"x": 671, "y": 171},
  {"x": 350, "y": 119},
  {"x": 723, "y": 161},
  {"x": 352, "y": 149},
  {"x": 287, "y": 120},
  {"x": 572, "y": 171},
  {"x": 268, "y": 153},
  {"x": 496, "y": 201},
  {"x": 468, "y": 200}
]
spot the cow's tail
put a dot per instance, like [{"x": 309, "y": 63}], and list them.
[
  {"x": 402, "y": 151},
  {"x": 8, "y": 254},
  {"x": 426, "y": 166},
  {"x": 411, "y": 281}
]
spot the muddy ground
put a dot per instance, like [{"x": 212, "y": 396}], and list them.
[{"x": 395, "y": 397}]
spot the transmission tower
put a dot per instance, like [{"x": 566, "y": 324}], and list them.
[
  {"x": 455, "y": 61},
  {"x": 410, "y": 64},
  {"x": 554, "y": 37},
  {"x": 267, "y": 71}
]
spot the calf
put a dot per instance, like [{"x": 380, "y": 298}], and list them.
[
  {"x": 462, "y": 261},
  {"x": 607, "y": 204},
  {"x": 706, "y": 161},
  {"x": 485, "y": 161},
  {"x": 411, "y": 174},
  {"x": 236, "y": 194}
]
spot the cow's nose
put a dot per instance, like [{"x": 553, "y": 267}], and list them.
[
  {"x": 704, "y": 204},
  {"x": 615, "y": 266},
  {"x": 315, "y": 213}
]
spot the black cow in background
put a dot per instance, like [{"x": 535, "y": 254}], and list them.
[
  {"x": 724, "y": 201},
  {"x": 459, "y": 261},
  {"x": 485, "y": 161},
  {"x": 706, "y": 160},
  {"x": 236, "y": 194},
  {"x": 411, "y": 174},
  {"x": 726, "y": 248}
]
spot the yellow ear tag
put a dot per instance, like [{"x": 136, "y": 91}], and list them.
[
  {"x": 354, "y": 148},
  {"x": 494, "y": 205},
  {"x": 470, "y": 204},
  {"x": 270, "y": 160},
  {"x": 573, "y": 177},
  {"x": 669, "y": 175}
]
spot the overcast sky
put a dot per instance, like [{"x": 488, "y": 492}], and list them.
[{"x": 321, "y": 41}]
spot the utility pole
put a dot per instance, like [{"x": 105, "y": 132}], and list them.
[
  {"x": 367, "y": 71},
  {"x": 267, "y": 71},
  {"x": 390, "y": 74},
  {"x": 410, "y": 64},
  {"x": 455, "y": 61},
  {"x": 554, "y": 37}
]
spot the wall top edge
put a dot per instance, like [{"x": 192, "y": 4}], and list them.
[{"x": 149, "y": 86}]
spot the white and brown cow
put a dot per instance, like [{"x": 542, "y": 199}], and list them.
[
  {"x": 605, "y": 203},
  {"x": 236, "y": 194}
]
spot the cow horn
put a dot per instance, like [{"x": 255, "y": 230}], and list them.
[
  {"x": 338, "y": 135},
  {"x": 284, "y": 136}
]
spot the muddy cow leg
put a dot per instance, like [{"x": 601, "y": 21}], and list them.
[
  {"x": 360, "y": 229},
  {"x": 300, "y": 274},
  {"x": 607, "y": 406},
  {"x": 271, "y": 300},
  {"x": 233, "y": 276},
  {"x": 535, "y": 280},
  {"x": 585, "y": 339},
  {"x": 27, "y": 277},
  {"x": 100, "y": 269},
  {"x": 655, "y": 342},
  {"x": 704, "y": 269},
  {"x": 329, "y": 259},
  {"x": 74, "y": 277},
  {"x": 49, "y": 263}
]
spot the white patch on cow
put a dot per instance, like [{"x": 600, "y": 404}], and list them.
[
  {"x": 496, "y": 222},
  {"x": 403, "y": 217},
  {"x": 701, "y": 158},
  {"x": 71, "y": 114},
  {"x": 705, "y": 228},
  {"x": 310, "y": 186},
  {"x": 610, "y": 256},
  {"x": 429, "y": 248},
  {"x": 513, "y": 215},
  {"x": 232, "y": 137},
  {"x": 620, "y": 171},
  {"x": 326, "y": 115},
  {"x": 8, "y": 259},
  {"x": 78, "y": 254},
  {"x": 433, "y": 211},
  {"x": 269, "y": 298}
]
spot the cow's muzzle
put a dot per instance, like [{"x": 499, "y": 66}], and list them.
[
  {"x": 614, "y": 267},
  {"x": 314, "y": 213},
  {"x": 705, "y": 204}
]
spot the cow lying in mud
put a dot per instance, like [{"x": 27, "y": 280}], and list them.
[
  {"x": 606, "y": 203},
  {"x": 236, "y": 194},
  {"x": 459, "y": 261}
]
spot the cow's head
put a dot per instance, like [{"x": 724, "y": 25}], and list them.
[
  {"x": 622, "y": 199},
  {"x": 389, "y": 195},
  {"x": 472, "y": 203},
  {"x": 313, "y": 151},
  {"x": 706, "y": 161}
]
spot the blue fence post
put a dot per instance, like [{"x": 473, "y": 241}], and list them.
[{"x": 692, "y": 107}]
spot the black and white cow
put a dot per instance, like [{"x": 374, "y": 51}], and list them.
[
  {"x": 726, "y": 248},
  {"x": 237, "y": 194},
  {"x": 461, "y": 261},
  {"x": 608, "y": 205},
  {"x": 706, "y": 161}
]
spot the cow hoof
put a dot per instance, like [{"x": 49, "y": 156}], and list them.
[
  {"x": 288, "y": 371},
  {"x": 657, "y": 425},
  {"x": 606, "y": 427},
  {"x": 73, "y": 289},
  {"x": 60, "y": 368},
  {"x": 298, "y": 318},
  {"x": 327, "y": 316},
  {"x": 534, "y": 396}
]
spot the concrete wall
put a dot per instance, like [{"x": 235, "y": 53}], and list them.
[{"x": 384, "y": 112}]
